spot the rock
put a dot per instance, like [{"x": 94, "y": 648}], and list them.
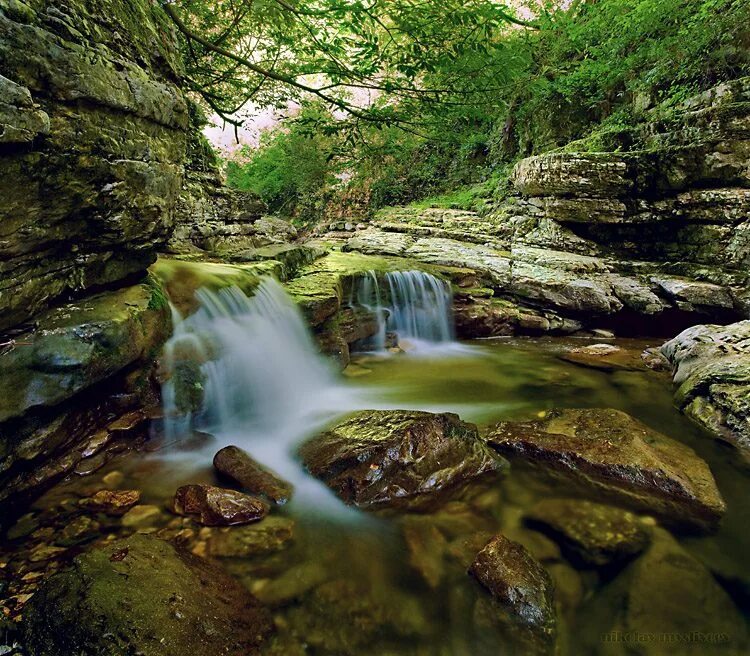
[
  {"x": 141, "y": 595},
  {"x": 53, "y": 396},
  {"x": 389, "y": 458},
  {"x": 251, "y": 475},
  {"x": 606, "y": 357},
  {"x": 665, "y": 592},
  {"x": 711, "y": 367},
  {"x": 521, "y": 589},
  {"x": 692, "y": 296},
  {"x": 267, "y": 536},
  {"x": 293, "y": 584},
  {"x": 342, "y": 616},
  {"x": 143, "y": 516},
  {"x": 619, "y": 458},
  {"x": 592, "y": 174},
  {"x": 111, "y": 502},
  {"x": 102, "y": 125},
  {"x": 592, "y": 533},
  {"x": 654, "y": 360},
  {"x": 215, "y": 506},
  {"x": 426, "y": 546}
]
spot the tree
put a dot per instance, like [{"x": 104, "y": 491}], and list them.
[{"x": 370, "y": 59}]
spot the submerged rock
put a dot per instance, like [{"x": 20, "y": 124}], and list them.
[
  {"x": 521, "y": 589},
  {"x": 271, "y": 534},
  {"x": 111, "y": 502},
  {"x": 251, "y": 475},
  {"x": 592, "y": 533},
  {"x": 381, "y": 458},
  {"x": 670, "y": 599},
  {"x": 140, "y": 595},
  {"x": 606, "y": 357},
  {"x": 215, "y": 506},
  {"x": 618, "y": 457}
]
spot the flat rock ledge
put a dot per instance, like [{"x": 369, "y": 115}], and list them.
[
  {"x": 398, "y": 458},
  {"x": 620, "y": 458}
]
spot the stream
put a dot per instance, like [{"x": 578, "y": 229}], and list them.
[{"x": 351, "y": 582}]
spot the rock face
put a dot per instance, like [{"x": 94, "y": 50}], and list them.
[
  {"x": 620, "y": 458},
  {"x": 592, "y": 533},
  {"x": 647, "y": 241},
  {"x": 251, "y": 475},
  {"x": 94, "y": 129},
  {"x": 141, "y": 595},
  {"x": 215, "y": 506},
  {"x": 522, "y": 590},
  {"x": 398, "y": 458},
  {"x": 711, "y": 366},
  {"x": 82, "y": 366}
]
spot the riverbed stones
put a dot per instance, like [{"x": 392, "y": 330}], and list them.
[
  {"x": 267, "y": 536},
  {"x": 142, "y": 595},
  {"x": 254, "y": 477},
  {"x": 398, "y": 458},
  {"x": 711, "y": 368},
  {"x": 215, "y": 506},
  {"x": 590, "y": 533},
  {"x": 606, "y": 357},
  {"x": 616, "y": 456},
  {"x": 521, "y": 591}
]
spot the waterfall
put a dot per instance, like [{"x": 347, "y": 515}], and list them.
[
  {"x": 413, "y": 304},
  {"x": 244, "y": 365}
]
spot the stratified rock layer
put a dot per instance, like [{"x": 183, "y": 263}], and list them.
[{"x": 711, "y": 366}]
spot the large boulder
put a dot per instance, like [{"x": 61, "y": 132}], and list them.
[
  {"x": 711, "y": 366},
  {"x": 396, "y": 458},
  {"x": 254, "y": 477},
  {"x": 141, "y": 595},
  {"x": 618, "y": 457}
]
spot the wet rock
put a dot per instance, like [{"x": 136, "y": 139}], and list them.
[
  {"x": 79, "y": 530},
  {"x": 618, "y": 457},
  {"x": 270, "y": 535},
  {"x": 606, "y": 357},
  {"x": 141, "y": 595},
  {"x": 111, "y": 502},
  {"x": 711, "y": 367},
  {"x": 654, "y": 360},
  {"x": 215, "y": 506},
  {"x": 382, "y": 458},
  {"x": 520, "y": 588},
  {"x": 251, "y": 475},
  {"x": 664, "y": 593},
  {"x": 592, "y": 533}
]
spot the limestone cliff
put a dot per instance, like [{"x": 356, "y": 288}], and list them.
[{"x": 93, "y": 127}]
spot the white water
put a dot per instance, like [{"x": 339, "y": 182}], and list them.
[
  {"x": 266, "y": 387},
  {"x": 415, "y": 305}
]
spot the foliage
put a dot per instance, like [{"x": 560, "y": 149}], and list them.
[{"x": 460, "y": 95}]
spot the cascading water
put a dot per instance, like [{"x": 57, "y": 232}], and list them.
[
  {"x": 247, "y": 371},
  {"x": 413, "y": 304}
]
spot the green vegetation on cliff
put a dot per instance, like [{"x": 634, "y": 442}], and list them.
[{"x": 582, "y": 70}]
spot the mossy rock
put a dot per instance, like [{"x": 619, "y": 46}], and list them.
[{"x": 140, "y": 595}]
